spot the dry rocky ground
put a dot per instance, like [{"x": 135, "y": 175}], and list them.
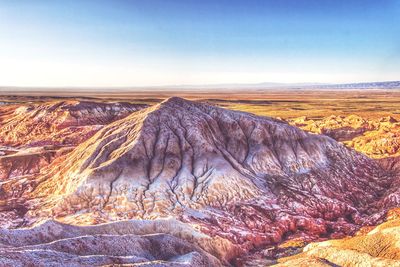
[
  {"x": 376, "y": 138},
  {"x": 194, "y": 185}
]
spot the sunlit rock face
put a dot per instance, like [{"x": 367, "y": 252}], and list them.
[
  {"x": 58, "y": 123},
  {"x": 370, "y": 247},
  {"x": 243, "y": 180},
  {"x": 138, "y": 243},
  {"x": 376, "y": 138},
  {"x": 253, "y": 180},
  {"x": 341, "y": 128},
  {"x": 33, "y": 135}
]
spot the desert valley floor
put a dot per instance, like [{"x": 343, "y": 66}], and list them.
[{"x": 283, "y": 178}]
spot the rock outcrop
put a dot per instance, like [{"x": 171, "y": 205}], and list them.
[
  {"x": 143, "y": 243},
  {"x": 59, "y": 122},
  {"x": 373, "y": 247},
  {"x": 243, "y": 180},
  {"x": 33, "y": 135},
  {"x": 253, "y": 180},
  {"x": 376, "y": 138}
]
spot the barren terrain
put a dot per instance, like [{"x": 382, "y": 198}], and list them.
[{"x": 246, "y": 179}]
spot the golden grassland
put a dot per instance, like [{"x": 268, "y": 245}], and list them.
[
  {"x": 316, "y": 105},
  {"x": 282, "y": 103}
]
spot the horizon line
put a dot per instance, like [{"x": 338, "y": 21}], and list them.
[{"x": 195, "y": 85}]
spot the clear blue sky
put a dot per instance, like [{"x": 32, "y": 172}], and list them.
[{"x": 128, "y": 43}]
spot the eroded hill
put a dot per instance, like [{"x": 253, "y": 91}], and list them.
[{"x": 249, "y": 180}]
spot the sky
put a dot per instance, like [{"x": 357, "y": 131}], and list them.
[{"x": 164, "y": 42}]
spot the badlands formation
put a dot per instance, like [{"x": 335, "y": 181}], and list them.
[
  {"x": 32, "y": 135},
  {"x": 183, "y": 183},
  {"x": 377, "y": 138}
]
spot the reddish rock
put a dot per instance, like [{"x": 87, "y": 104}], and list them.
[{"x": 252, "y": 181}]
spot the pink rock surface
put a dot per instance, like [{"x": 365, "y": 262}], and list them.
[{"x": 252, "y": 181}]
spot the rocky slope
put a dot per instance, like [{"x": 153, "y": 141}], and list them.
[
  {"x": 33, "y": 135},
  {"x": 125, "y": 242},
  {"x": 377, "y": 138},
  {"x": 252, "y": 180},
  {"x": 248, "y": 180},
  {"x": 58, "y": 122},
  {"x": 378, "y": 246}
]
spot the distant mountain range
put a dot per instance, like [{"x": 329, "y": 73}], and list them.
[
  {"x": 227, "y": 86},
  {"x": 267, "y": 85},
  {"x": 365, "y": 85}
]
